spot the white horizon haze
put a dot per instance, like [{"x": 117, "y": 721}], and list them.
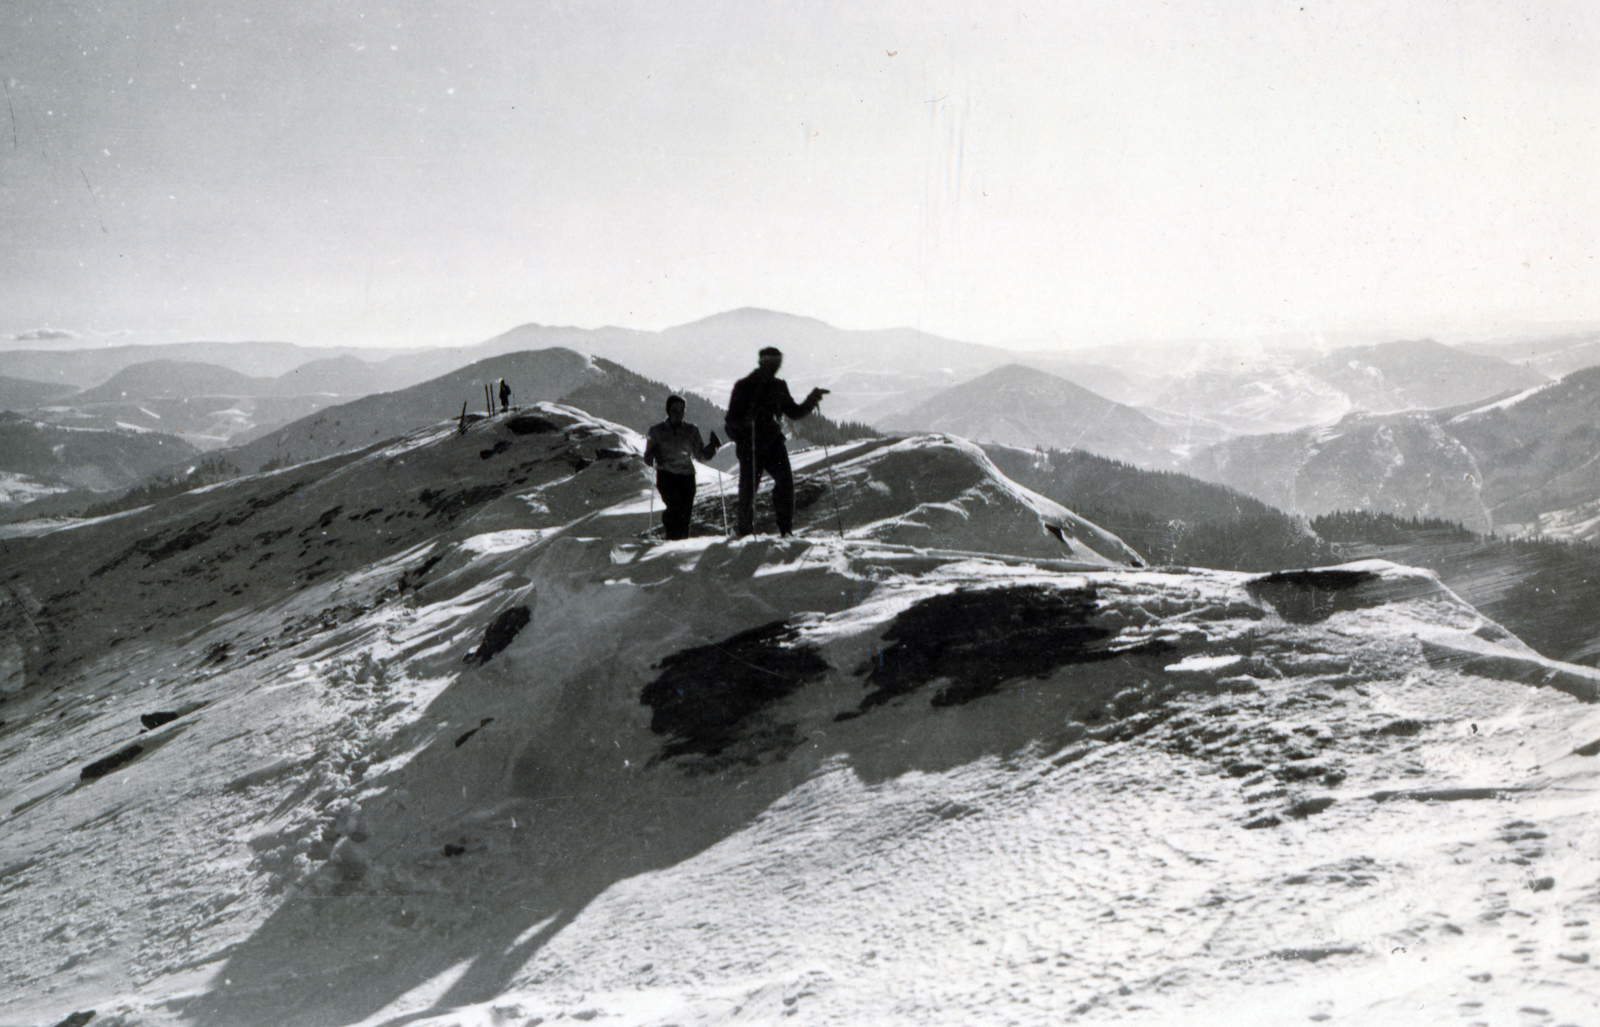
[{"x": 1031, "y": 177}]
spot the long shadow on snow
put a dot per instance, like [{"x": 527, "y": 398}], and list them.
[
  {"x": 484, "y": 903},
  {"x": 736, "y": 729}
]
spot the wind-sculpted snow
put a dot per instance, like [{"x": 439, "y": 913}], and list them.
[
  {"x": 507, "y": 762},
  {"x": 940, "y": 492}
]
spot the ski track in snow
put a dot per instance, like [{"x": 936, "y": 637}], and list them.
[{"x": 1319, "y": 812}]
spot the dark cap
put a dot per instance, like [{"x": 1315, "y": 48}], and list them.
[
  {"x": 677, "y": 399},
  {"x": 771, "y": 351}
]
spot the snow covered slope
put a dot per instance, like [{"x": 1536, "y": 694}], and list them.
[{"x": 428, "y": 735}]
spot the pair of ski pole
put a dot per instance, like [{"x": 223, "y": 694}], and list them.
[{"x": 755, "y": 483}]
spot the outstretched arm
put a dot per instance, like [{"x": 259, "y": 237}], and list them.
[{"x": 794, "y": 411}]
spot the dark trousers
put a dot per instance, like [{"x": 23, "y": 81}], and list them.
[
  {"x": 677, "y": 499},
  {"x": 770, "y": 456}
]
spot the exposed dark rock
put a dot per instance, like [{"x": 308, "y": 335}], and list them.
[
  {"x": 1445, "y": 794},
  {"x": 706, "y": 694},
  {"x": 532, "y": 424},
  {"x": 978, "y": 640},
  {"x": 412, "y": 579},
  {"x": 451, "y": 505},
  {"x": 77, "y": 1019},
  {"x": 1315, "y": 955},
  {"x": 1309, "y": 807},
  {"x": 806, "y": 493},
  {"x": 116, "y": 761},
  {"x": 481, "y": 725},
  {"x": 1305, "y": 597},
  {"x": 151, "y": 721},
  {"x": 500, "y": 634}
]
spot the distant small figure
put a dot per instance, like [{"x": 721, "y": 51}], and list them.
[
  {"x": 752, "y": 424},
  {"x": 505, "y": 396},
  {"x": 671, "y": 448}
]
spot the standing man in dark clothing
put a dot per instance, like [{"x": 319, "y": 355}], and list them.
[
  {"x": 758, "y": 400},
  {"x": 505, "y": 396},
  {"x": 672, "y": 447}
]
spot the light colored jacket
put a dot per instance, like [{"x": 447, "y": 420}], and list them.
[{"x": 674, "y": 449}]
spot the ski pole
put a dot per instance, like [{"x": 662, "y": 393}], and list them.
[
  {"x": 650, "y": 528},
  {"x": 833, "y": 487},
  {"x": 724, "y": 501}
]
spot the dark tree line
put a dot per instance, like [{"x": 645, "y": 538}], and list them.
[
  {"x": 1384, "y": 528},
  {"x": 1170, "y": 518},
  {"x": 206, "y": 471}
]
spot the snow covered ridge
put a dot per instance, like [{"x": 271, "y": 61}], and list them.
[
  {"x": 1504, "y": 404},
  {"x": 501, "y": 761}
]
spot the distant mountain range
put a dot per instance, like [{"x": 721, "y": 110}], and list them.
[
  {"x": 1403, "y": 464},
  {"x": 863, "y": 369},
  {"x": 87, "y": 367},
  {"x": 1539, "y": 451},
  {"x": 1419, "y": 375},
  {"x": 555, "y": 375},
  {"x": 1279, "y": 392},
  {"x": 18, "y": 394},
  {"x": 1250, "y": 396},
  {"x": 1527, "y": 464},
  {"x": 1200, "y": 394},
  {"x": 172, "y": 379},
  {"x": 83, "y": 458},
  {"x": 1556, "y": 356},
  {"x": 1021, "y": 406},
  {"x": 207, "y": 404}
]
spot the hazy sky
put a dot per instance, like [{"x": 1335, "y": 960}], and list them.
[{"x": 331, "y": 171}]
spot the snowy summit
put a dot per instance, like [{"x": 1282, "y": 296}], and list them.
[{"x": 434, "y": 732}]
